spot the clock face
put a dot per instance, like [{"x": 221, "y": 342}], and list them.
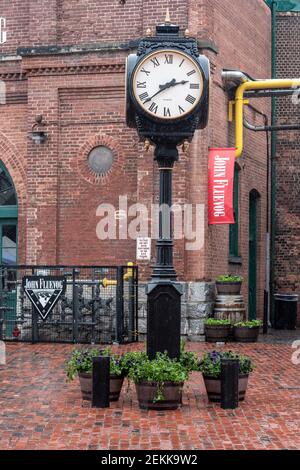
[{"x": 167, "y": 84}]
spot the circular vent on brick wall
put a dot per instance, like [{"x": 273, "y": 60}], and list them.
[{"x": 100, "y": 160}]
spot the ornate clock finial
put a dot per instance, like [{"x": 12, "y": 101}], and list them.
[{"x": 167, "y": 18}]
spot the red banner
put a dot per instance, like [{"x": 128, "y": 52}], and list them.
[{"x": 220, "y": 186}]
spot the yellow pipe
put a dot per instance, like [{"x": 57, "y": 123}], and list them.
[
  {"x": 239, "y": 103},
  {"x": 108, "y": 282},
  {"x": 112, "y": 282},
  {"x": 129, "y": 271}
]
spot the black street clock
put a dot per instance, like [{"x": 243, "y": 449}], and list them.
[
  {"x": 167, "y": 87},
  {"x": 167, "y": 93}
]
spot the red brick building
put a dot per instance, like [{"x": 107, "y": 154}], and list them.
[{"x": 65, "y": 60}]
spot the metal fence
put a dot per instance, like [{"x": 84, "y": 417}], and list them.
[{"x": 76, "y": 304}]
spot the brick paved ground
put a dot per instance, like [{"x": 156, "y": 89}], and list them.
[{"x": 38, "y": 410}]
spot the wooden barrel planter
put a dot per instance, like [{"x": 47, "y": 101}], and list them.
[
  {"x": 115, "y": 386},
  {"x": 213, "y": 387},
  {"x": 228, "y": 288},
  {"x": 230, "y": 307},
  {"x": 217, "y": 333},
  {"x": 244, "y": 334},
  {"x": 146, "y": 393}
]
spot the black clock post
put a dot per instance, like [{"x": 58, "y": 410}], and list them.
[{"x": 164, "y": 291}]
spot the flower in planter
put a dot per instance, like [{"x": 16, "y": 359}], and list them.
[
  {"x": 160, "y": 370},
  {"x": 81, "y": 361},
  {"x": 210, "y": 364}
]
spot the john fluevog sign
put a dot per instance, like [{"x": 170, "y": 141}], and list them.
[{"x": 44, "y": 292}]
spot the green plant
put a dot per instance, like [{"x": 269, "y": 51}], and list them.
[
  {"x": 210, "y": 364},
  {"x": 81, "y": 360},
  {"x": 131, "y": 359},
  {"x": 249, "y": 324},
  {"x": 188, "y": 359},
  {"x": 216, "y": 322},
  {"x": 229, "y": 278},
  {"x": 159, "y": 370}
]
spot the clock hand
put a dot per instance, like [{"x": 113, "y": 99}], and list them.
[
  {"x": 165, "y": 87},
  {"x": 171, "y": 84},
  {"x": 162, "y": 88}
]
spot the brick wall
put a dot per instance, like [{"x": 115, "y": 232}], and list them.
[
  {"x": 81, "y": 96},
  {"x": 287, "y": 255}
]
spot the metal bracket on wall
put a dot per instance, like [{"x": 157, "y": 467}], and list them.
[{"x": 231, "y": 105}]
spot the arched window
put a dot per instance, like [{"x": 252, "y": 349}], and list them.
[
  {"x": 7, "y": 190},
  {"x": 8, "y": 219}
]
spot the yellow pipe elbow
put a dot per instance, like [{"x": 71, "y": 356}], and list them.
[
  {"x": 239, "y": 103},
  {"x": 129, "y": 271},
  {"x": 108, "y": 282}
]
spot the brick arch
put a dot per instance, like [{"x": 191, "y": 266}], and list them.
[{"x": 9, "y": 156}]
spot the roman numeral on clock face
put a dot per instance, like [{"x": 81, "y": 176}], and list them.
[
  {"x": 191, "y": 73},
  {"x": 194, "y": 86},
  {"x": 167, "y": 112},
  {"x": 190, "y": 99},
  {"x": 181, "y": 110},
  {"x": 143, "y": 96},
  {"x": 155, "y": 62},
  {"x": 169, "y": 59},
  {"x": 141, "y": 85},
  {"x": 147, "y": 72},
  {"x": 153, "y": 107}
]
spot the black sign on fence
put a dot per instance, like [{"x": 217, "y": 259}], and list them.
[
  {"x": 74, "y": 304},
  {"x": 44, "y": 292}
]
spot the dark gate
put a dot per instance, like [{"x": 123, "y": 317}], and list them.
[{"x": 98, "y": 304}]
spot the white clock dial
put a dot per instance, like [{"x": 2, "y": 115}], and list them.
[{"x": 168, "y": 84}]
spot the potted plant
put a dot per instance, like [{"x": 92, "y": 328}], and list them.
[
  {"x": 210, "y": 366},
  {"x": 247, "y": 331},
  {"x": 227, "y": 284},
  {"x": 217, "y": 330},
  {"x": 81, "y": 363},
  {"x": 159, "y": 381}
]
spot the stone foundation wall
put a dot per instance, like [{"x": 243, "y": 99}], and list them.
[{"x": 197, "y": 304}]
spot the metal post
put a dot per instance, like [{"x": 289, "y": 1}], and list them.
[
  {"x": 136, "y": 310},
  {"x": 75, "y": 307},
  {"x": 34, "y": 325},
  {"x": 1, "y": 325},
  {"x": 100, "y": 386},
  {"x": 131, "y": 307},
  {"x": 229, "y": 383},
  {"x": 164, "y": 304},
  {"x": 94, "y": 289},
  {"x": 120, "y": 305}
]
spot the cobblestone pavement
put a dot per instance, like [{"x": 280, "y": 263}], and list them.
[{"x": 39, "y": 410}]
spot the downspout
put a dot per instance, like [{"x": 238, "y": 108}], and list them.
[{"x": 273, "y": 167}]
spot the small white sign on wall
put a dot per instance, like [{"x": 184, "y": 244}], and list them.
[
  {"x": 3, "y": 35},
  {"x": 143, "y": 249}
]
